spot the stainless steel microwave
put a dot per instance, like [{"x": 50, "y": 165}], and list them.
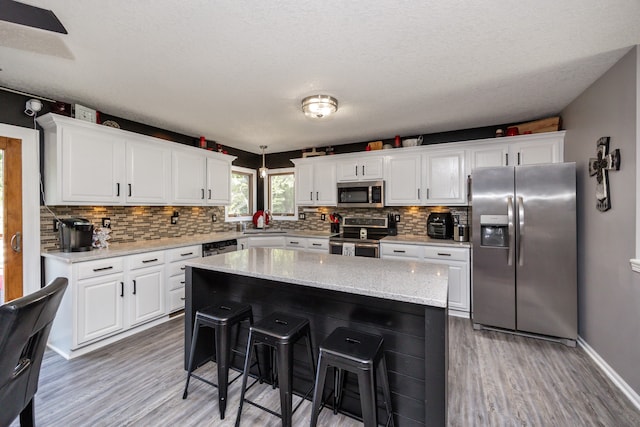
[{"x": 362, "y": 194}]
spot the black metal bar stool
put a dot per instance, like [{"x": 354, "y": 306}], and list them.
[
  {"x": 221, "y": 317},
  {"x": 279, "y": 331},
  {"x": 360, "y": 353}
]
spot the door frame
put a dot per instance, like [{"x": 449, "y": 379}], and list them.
[{"x": 30, "y": 203}]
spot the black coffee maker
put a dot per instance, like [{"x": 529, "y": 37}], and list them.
[
  {"x": 440, "y": 225},
  {"x": 392, "y": 225}
]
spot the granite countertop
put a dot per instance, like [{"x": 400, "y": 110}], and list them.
[
  {"x": 123, "y": 249},
  {"x": 408, "y": 281},
  {"x": 409, "y": 239}
]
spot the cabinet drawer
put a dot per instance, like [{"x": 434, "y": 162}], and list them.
[
  {"x": 176, "y": 269},
  {"x": 318, "y": 244},
  {"x": 146, "y": 259},
  {"x": 183, "y": 253},
  {"x": 176, "y": 282},
  {"x": 176, "y": 300},
  {"x": 398, "y": 250},
  {"x": 295, "y": 242},
  {"x": 100, "y": 267},
  {"x": 445, "y": 253}
]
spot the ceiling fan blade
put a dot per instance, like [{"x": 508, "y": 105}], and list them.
[{"x": 31, "y": 16}]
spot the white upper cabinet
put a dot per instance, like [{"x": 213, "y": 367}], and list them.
[
  {"x": 315, "y": 182},
  {"x": 89, "y": 164},
  {"x": 403, "y": 180},
  {"x": 218, "y": 182},
  {"x": 188, "y": 176},
  {"x": 445, "y": 178},
  {"x": 147, "y": 179},
  {"x": 88, "y": 167},
  {"x": 435, "y": 178},
  {"x": 517, "y": 150},
  {"x": 368, "y": 169}
]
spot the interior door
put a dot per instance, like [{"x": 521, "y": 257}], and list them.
[{"x": 11, "y": 219}]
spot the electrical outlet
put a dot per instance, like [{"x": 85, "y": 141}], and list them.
[
  {"x": 323, "y": 217},
  {"x": 106, "y": 222},
  {"x": 174, "y": 220},
  {"x": 176, "y": 214},
  {"x": 56, "y": 225},
  {"x": 214, "y": 218},
  {"x": 302, "y": 216},
  {"x": 397, "y": 218}
]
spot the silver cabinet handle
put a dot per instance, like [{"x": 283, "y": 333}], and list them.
[
  {"x": 310, "y": 195},
  {"x": 443, "y": 254},
  {"x": 398, "y": 251},
  {"x": 362, "y": 170},
  {"x": 520, "y": 231},
  {"x": 317, "y": 195},
  {"x": 316, "y": 244},
  {"x": 418, "y": 194},
  {"x": 512, "y": 236},
  {"x": 427, "y": 193},
  {"x": 293, "y": 242},
  {"x": 209, "y": 194},
  {"x": 518, "y": 158},
  {"x": 202, "y": 193},
  {"x": 16, "y": 242},
  {"x": 186, "y": 254},
  {"x": 356, "y": 170}
]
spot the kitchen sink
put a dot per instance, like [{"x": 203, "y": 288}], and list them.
[{"x": 265, "y": 231}]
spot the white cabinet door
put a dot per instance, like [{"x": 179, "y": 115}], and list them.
[
  {"x": 243, "y": 243},
  {"x": 218, "y": 182},
  {"x": 147, "y": 297},
  {"x": 189, "y": 173},
  {"x": 359, "y": 170},
  {"x": 316, "y": 184},
  {"x": 296, "y": 243},
  {"x": 148, "y": 177},
  {"x": 491, "y": 156},
  {"x": 324, "y": 182},
  {"x": 318, "y": 244},
  {"x": 445, "y": 178},
  {"x": 535, "y": 152},
  {"x": 403, "y": 180},
  {"x": 266, "y": 242},
  {"x": 304, "y": 184},
  {"x": 99, "y": 310},
  {"x": 92, "y": 166}
]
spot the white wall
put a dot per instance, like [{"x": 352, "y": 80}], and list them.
[
  {"x": 30, "y": 203},
  {"x": 608, "y": 290}
]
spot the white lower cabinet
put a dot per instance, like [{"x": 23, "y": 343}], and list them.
[
  {"x": 265, "y": 242},
  {"x": 176, "y": 259},
  {"x": 106, "y": 300},
  {"x": 314, "y": 244},
  {"x": 458, "y": 260}
]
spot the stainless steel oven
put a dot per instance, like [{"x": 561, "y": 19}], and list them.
[{"x": 360, "y": 237}]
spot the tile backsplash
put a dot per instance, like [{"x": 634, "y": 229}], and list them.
[{"x": 134, "y": 223}]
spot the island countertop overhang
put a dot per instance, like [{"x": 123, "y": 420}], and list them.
[{"x": 406, "y": 281}]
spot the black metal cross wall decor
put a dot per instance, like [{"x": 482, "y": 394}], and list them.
[{"x": 600, "y": 167}]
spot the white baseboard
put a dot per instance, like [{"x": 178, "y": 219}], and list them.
[
  {"x": 456, "y": 313},
  {"x": 611, "y": 373}
]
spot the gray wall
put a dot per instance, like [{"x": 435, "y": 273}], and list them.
[{"x": 608, "y": 290}]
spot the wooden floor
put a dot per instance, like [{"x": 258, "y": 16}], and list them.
[{"x": 495, "y": 379}]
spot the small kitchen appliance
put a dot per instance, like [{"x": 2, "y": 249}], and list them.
[
  {"x": 461, "y": 233},
  {"x": 440, "y": 225},
  {"x": 76, "y": 234},
  {"x": 393, "y": 225}
]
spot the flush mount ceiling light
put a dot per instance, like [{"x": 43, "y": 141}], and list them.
[
  {"x": 263, "y": 171},
  {"x": 319, "y": 106}
]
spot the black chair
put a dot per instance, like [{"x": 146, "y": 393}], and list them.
[
  {"x": 221, "y": 318},
  {"x": 279, "y": 332},
  {"x": 25, "y": 324},
  {"x": 360, "y": 353}
]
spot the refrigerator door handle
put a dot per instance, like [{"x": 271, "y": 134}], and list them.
[
  {"x": 520, "y": 231},
  {"x": 511, "y": 230}
]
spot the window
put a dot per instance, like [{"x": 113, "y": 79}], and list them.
[
  {"x": 243, "y": 195},
  {"x": 280, "y": 195}
]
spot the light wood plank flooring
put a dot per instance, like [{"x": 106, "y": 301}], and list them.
[{"x": 495, "y": 379}]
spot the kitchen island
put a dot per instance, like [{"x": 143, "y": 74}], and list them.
[{"x": 405, "y": 301}]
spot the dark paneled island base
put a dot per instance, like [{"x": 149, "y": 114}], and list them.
[{"x": 415, "y": 337}]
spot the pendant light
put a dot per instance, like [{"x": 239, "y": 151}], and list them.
[{"x": 263, "y": 171}]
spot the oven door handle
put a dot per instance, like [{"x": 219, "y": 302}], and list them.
[
  {"x": 335, "y": 243},
  {"x": 366, "y": 245}
]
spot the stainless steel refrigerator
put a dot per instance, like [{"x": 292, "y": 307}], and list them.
[{"x": 524, "y": 249}]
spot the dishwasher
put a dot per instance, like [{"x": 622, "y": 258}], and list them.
[{"x": 220, "y": 247}]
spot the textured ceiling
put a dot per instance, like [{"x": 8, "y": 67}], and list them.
[{"x": 236, "y": 71}]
